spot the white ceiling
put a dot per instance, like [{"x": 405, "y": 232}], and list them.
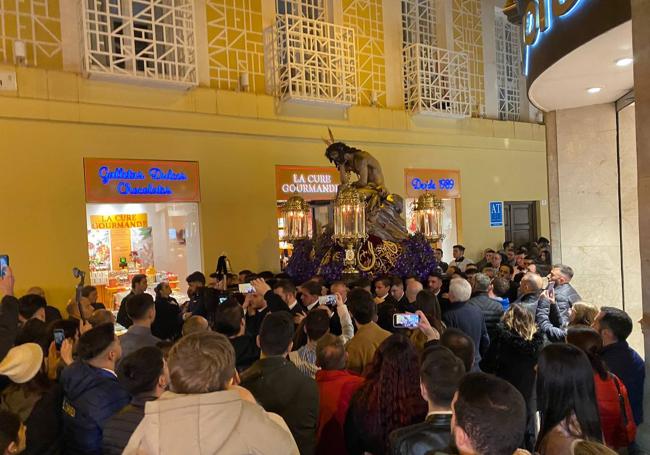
[{"x": 564, "y": 85}]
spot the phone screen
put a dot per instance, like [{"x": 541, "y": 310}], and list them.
[
  {"x": 223, "y": 299},
  {"x": 329, "y": 300},
  {"x": 246, "y": 288},
  {"x": 405, "y": 320},
  {"x": 59, "y": 336},
  {"x": 550, "y": 290},
  {"x": 4, "y": 263}
]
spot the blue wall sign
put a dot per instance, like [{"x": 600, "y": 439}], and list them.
[{"x": 496, "y": 214}]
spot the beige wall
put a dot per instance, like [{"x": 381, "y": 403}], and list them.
[
  {"x": 583, "y": 190},
  {"x": 55, "y": 119}
]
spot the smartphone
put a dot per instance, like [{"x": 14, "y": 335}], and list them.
[
  {"x": 329, "y": 300},
  {"x": 4, "y": 263},
  {"x": 550, "y": 290},
  {"x": 59, "y": 336},
  {"x": 246, "y": 288},
  {"x": 405, "y": 320}
]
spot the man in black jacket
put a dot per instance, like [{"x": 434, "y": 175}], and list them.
[
  {"x": 279, "y": 386},
  {"x": 138, "y": 286},
  {"x": 530, "y": 289},
  {"x": 440, "y": 374},
  {"x": 466, "y": 317},
  {"x": 260, "y": 303},
  {"x": 145, "y": 376},
  {"x": 229, "y": 321},
  {"x": 492, "y": 309}
]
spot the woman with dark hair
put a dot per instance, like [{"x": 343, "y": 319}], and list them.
[
  {"x": 619, "y": 429},
  {"x": 566, "y": 400},
  {"x": 427, "y": 302},
  {"x": 389, "y": 398},
  {"x": 168, "y": 322},
  {"x": 514, "y": 349}
]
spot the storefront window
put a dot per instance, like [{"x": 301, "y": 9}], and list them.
[{"x": 139, "y": 222}]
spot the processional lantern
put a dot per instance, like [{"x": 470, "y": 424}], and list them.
[
  {"x": 428, "y": 212},
  {"x": 349, "y": 224},
  {"x": 295, "y": 215}
]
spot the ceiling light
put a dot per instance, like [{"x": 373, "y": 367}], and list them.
[
  {"x": 593, "y": 90},
  {"x": 626, "y": 61}
]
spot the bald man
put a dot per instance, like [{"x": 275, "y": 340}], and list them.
[
  {"x": 412, "y": 289},
  {"x": 530, "y": 289}
]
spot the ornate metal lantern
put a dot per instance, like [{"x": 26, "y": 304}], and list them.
[
  {"x": 349, "y": 224},
  {"x": 428, "y": 213},
  {"x": 296, "y": 216}
]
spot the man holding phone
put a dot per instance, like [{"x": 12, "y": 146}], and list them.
[{"x": 564, "y": 294}]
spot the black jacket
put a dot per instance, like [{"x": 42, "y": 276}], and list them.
[
  {"x": 470, "y": 320},
  {"x": 8, "y": 324},
  {"x": 246, "y": 351},
  {"x": 529, "y": 302},
  {"x": 280, "y": 387},
  {"x": 492, "y": 310},
  {"x": 513, "y": 358},
  {"x": 119, "y": 428},
  {"x": 432, "y": 435},
  {"x": 168, "y": 322},
  {"x": 122, "y": 316},
  {"x": 45, "y": 424}
]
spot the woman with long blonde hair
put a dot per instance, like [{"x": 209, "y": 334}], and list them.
[{"x": 513, "y": 355}]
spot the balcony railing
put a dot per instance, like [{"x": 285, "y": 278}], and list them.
[
  {"x": 151, "y": 42},
  {"x": 312, "y": 61},
  {"x": 436, "y": 81}
]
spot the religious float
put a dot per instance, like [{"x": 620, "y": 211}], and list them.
[{"x": 368, "y": 235}]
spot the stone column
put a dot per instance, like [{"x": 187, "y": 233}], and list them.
[{"x": 641, "y": 44}]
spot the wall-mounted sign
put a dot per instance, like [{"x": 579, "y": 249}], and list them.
[
  {"x": 539, "y": 16},
  {"x": 119, "y": 181},
  {"x": 444, "y": 183},
  {"x": 119, "y": 221},
  {"x": 311, "y": 183},
  {"x": 496, "y": 214}
]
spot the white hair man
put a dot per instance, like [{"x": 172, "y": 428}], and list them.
[{"x": 466, "y": 317}]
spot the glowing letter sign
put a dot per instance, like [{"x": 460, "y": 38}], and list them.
[{"x": 536, "y": 17}]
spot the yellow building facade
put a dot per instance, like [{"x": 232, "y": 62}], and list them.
[{"x": 56, "y": 116}]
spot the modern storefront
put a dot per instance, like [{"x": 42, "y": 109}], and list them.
[{"x": 142, "y": 218}]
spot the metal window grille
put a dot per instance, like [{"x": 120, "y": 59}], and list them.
[
  {"x": 418, "y": 22},
  {"x": 508, "y": 59},
  {"x": 310, "y": 9},
  {"x": 437, "y": 81},
  {"x": 313, "y": 61},
  {"x": 36, "y": 23},
  {"x": 235, "y": 43},
  {"x": 468, "y": 38},
  {"x": 151, "y": 40},
  {"x": 366, "y": 18}
]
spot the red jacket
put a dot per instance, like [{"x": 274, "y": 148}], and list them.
[
  {"x": 616, "y": 434},
  {"x": 336, "y": 388}
]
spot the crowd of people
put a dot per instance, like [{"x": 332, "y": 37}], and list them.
[{"x": 504, "y": 358}]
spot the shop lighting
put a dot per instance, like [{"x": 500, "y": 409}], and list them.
[
  {"x": 626, "y": 61},
  {"x": 593, "y": 90}
]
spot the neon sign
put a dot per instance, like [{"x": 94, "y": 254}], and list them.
[
  {"x": 422, "y": 185},
  {"x": 538, "y": 19},
  {"x": 310, "y": 183}
]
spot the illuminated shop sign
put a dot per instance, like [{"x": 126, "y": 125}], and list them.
[
  {"x": 141, "y": 181},
  {"x": 538, "y": 19},
  {"x": 444, "y": 183},
  {"x": 312, "y": 183},
  {"x": 119, "y": 221}
]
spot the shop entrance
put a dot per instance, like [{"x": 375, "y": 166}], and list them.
[
  {"x": 520, "y": 219},
  {"x": 142, "y": 218}
]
